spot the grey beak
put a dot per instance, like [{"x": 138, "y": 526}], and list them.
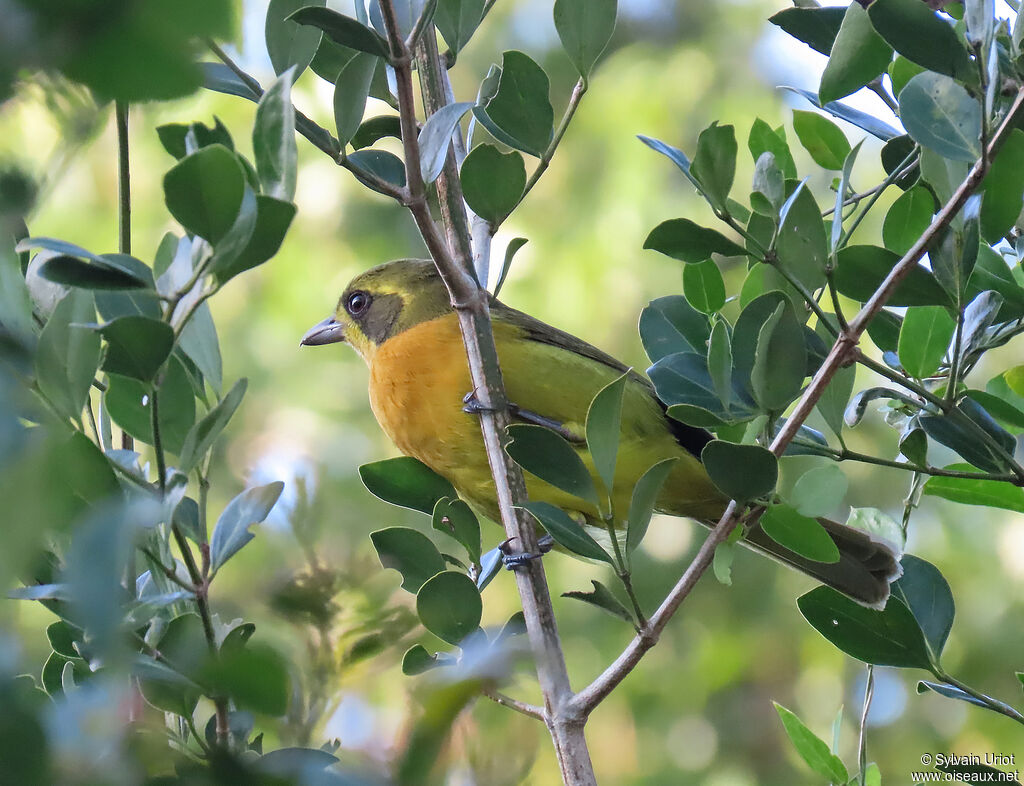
[{"x": 330, "y": 331}]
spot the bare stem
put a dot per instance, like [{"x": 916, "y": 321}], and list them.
[
  {"x": 529, "y": 710},
  {"x": 862, "y": 741},
  {"x": 124, "y": 207}
]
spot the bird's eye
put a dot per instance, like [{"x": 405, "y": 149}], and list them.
[{"x": 357, "y": 303}]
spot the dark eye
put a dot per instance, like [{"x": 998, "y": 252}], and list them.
[{"x": 357, "y": 303}]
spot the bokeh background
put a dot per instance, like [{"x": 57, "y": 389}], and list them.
[{"x": 699, "y": 708}]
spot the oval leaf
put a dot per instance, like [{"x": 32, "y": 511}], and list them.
[
  {"x": 410, "y": 552},
  {"x": 741, "y": 472},
  {"x": 449, "y": 606}
]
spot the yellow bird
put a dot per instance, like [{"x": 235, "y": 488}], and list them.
[{"x": 399, "y": 318}]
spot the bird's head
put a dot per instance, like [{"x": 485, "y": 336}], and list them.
[{"x": 381, "y": 303}]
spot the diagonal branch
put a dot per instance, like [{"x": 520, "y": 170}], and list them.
[{"x": 843, "y": 352}]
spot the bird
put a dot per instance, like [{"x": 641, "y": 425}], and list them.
[{"x": 399, "y": 318}]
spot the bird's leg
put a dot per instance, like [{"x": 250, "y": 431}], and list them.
[
  {"x": 472, "y": 406},
  {"x": 512, "y": 561}
]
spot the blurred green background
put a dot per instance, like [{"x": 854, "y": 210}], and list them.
[{"x": 698, "y": 709}]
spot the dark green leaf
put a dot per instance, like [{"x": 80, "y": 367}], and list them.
[
  {"x": 966, "y": 441},
  {"x": 720, "y": 362},
  {"x": 417, "y": 660},
  {"x": 940, "y": 114},
  {"x": 819, "y": 491},
  {"x": 457, "y": 20},
  {"x": 520, "y": 111},
  {"x": 741, "y": 472},
  {"x": 128, "y": 401},
  {"x": 376, "y": 128},
  {"x": 803, "y": 244},
  {"x": 812, "y": 749},
  {"x": 585, "y": 27},
  {"x": 232, "y": 531},
  {"x": 816, "y": 27},
  {"x": 204, "y": 191},
  {"x": 350, "y": 92},
  {"x": 682, "y": 239},
  {"x": 762, "y": 139},
  {"x": 950, "y": 692},
  {"x": 926, "y": 593},
  {"x": 907, "y": 219},
  {"x": 1009, "y": 414},
  {"x": 669, "y": 325},
  {"x": 780, "y": 360},
  {"x": 449, "y": 606},
  {"x": 914, "y": 445},
  {"x": 862, "y": 269},
  {"x": 62, "y": 637},
  {"x": 183, "y": 648},
  {"x": 1004, "y": 188},
  {"x": 821, "y": 138},
  {"x": 682, "y": 381},
  {"x": 920, "y": 35},
  {"x": 675, "y": 155},
  {"x": 342, "y": 30},
  {"x": 603, "y": 429},
  {"x": 493, "y": 182},
  {"x": 454, "y": 517},
  {"x": 221, "y": 79},
  {"x": 136, "y": 346},
  {"x": 990, "y": 493},
  {"x": 204, "y": 433},
  {"x": 288, "y": 43},
  {"x": 108, "y": 272},
  {"x": 890, "y": 637},
  {"x": 603, "y": 598},
  {"x": 273, "y": 139},
  {"x": 858, "y": 55},
  {"x": 542, "y": 452},
  {"x": 863, "y": 120},
  {"x": 800, "y": 534},
  {"x": 704, "y": 286},
  {"x": 894, "y": 153},
  {"x": 884, "y": 330},
  {"x": 198, "y": 340},
  {"x": 641, "y": 505},
  {"x": 567, "y": 533},
  {"x": 407, "y": 483},
  {"x": 273, "y": 217},
  {"x": 329, "y": 59},
  {"x": 748, "y": 330},
  {"x": 255, "y": 677},
  {"x": 924, "y": 339},
  {"x": 410, "y": 552},
  {"x": 67, "y": 356},
  {"x": 436, "y": 136},
  {"x": 714, "y": 165}
]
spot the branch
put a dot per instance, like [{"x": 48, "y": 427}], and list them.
[
  {"x": 530, "y": 710},
  {"x": 843, "y": 352}
]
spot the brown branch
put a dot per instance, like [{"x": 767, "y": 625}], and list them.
[
  {"x": 843, "y": 352},
  {"x": 453, "y": 258}
]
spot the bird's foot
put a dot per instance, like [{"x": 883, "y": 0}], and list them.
[
  {"x": 472, "y": 405},
  {"x": 512, "y": 561}
]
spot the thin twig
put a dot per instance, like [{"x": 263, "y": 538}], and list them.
[
  {"x": 124, "y": 207},
  {"x": 993, "y": 704},
  {"x": 862, "y": 740},
  {"x": 530, "y": 710}
]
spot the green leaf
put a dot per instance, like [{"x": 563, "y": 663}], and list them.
[
  {"x": 684, "y": 240},
  {"x": 890, "y": 637},
  {"x": 273, "y": 217},
  {"x": 449, "y": 606},
  {"x": 273, "y": 140},
  {"x": 780, "y": 360},
  {"x": 811, "y": 748},
  {"x": 746, "y": 334},
  {"x": 603, "y": 428},
  {"x": 350, "y": 92},
  {"x": 924, "y": 339},
  {"x": 858, "y": 55},
  {"x": 704, "y": 286},
  {"x": 741, "y": 472},
  {"x": 1004, "y": 188},
  {"x": 684, "y": 384},
  {"x": 183, "y": 647},
  {"x": 720, "y": 362},
  {"x": 940, "y": 114},
  {"x": 722, "y": 563},
  {"x": 204, "y": 192},
  {"x": 821, "y": 138},
  {"x": 641, "y": 504},
  {"x": 417, "y": 660},
  {"x": 436, "y": 136},
  {"x": 585, "y": 27},
  {"x": 493, "y": 182},
  {"x": 204, "y": 433},
  {"x": 288, "y": 43},
  {"x": 863, "y": 120},
  {"x": 511, "y": 250},
  {"x": 250, "y": 507},
  {"x": 107, "y": 272},
  {"x": 566, "y": 531},
  {"x": 128, "y": 401},
  {"x": 198, "y": 340},
  {"x": 902, "y": 71},
  {"x": 926, "y": 593},
  {"x": 819, "y": 491},
  {"x": 816, "y": 27},
  {"x": 67, "y": 356},
  {"x": 376, "y": 128},
  {"x": 990, "y": 493},
  {"x": 861, "y": 269},
  {"x": 454, "y": 518},
  {"x": 669, "y": 325},
  {"x": 803, "y": 244},
  {"x": 410, "y": 552},
  {"x": 255, "y": 677},
  {"x": 603, "y": 598},
  {"x": 964, "y": 440},
  {"x": 406, "y": 482},
  {"x": 762, "y": 139},
  {"x": 329, "y": 59},
  {"x": 221, "y": 79},
  {"x": 907, "y": 219},
  {"x": 458, "y": 20},
  {"x": 714, "y": 165},
  {"x": 769, "y": 186},
  {"x": 520, "y": 111},
  {"x": 800, "y": 534},
  {"x": 342, "y": 30},
  {"x": 542, "y": 452},
  {"x": 136, "y": 346},
  {"x": 920, "y": 35}
]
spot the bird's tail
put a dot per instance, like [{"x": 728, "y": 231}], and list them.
[{"x": 867, "y": 564}]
